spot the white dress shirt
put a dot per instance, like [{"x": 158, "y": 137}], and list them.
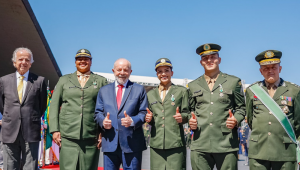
[
  {"x": 123, "y": 90},
  {"x": 18, "y": 75},
  {"x": 162, "y": 94}
]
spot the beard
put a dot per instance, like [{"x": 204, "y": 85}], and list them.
[{"x": 121, "y": 79}]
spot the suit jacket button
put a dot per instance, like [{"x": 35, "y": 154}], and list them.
[
  {"x": 269, "y": 133},
  {"x": 162, "y": 111},
  {"x": 210, "y": 124},
  {"x": 163, "y": 118},
  {"x": 162, "y": 125},
  {"x": 81, "y": 106},
  {"x": 81, "y": 98},
  {"x": 80, "y": 114},
  {"x": 270, "y": 123},
  {"x": 211, "y": 113}
]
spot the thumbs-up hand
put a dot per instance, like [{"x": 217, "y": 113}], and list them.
[
  {"x": 149, "y": 116},
  {"x": 193, "y": 122},
  {"x": 107, "y": 122},
  {"x": 231, "y": 121},
  {"x": 177, "y": 116},
  {"x": 126, "y": 121}
]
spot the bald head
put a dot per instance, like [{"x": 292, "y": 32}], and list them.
[
  {"x": 122, "y": 70},
  {"x": 122, "y": 61}
]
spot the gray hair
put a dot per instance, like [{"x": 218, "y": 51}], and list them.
[
  {"x": 129, "y": 64},
  {"x": 22, "y": 49}
]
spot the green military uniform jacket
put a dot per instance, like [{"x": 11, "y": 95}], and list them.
[
  {"x": 72, "y": 108},
  {"x": 268, "y": 140},
  {"x": 166, "y": 133},
  {"x": 211, "y": 110}
]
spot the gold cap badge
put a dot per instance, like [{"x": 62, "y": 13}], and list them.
[
  {"x": 269, "y": 54},
  {"x": 206, "y": 47}
]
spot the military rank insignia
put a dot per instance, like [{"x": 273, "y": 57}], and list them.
[{"x": 206, "y": 47}]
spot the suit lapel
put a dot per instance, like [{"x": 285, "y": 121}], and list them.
[
  {"x": 15, "y": 86},
  {"x": 114, "y": 98},
  {"x": 220, "y": 80},
  {"x": 126, "y": 94},
  {"x": 203, "y": 83},
  {"x": 74, "y": 80},
  {"x": 282, "y": 88},
  {"x": 28, "y": 86}
]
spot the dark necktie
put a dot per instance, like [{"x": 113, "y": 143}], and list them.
[{"x": 119, "y": 95}]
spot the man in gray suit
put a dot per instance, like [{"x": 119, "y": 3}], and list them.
[{"x": 23, "y": 100}]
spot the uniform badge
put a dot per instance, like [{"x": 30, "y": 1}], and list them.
[
  {"x": 173, "y": 100},
  {"x": 290, "y": 101},
  {"x": 162, "y": 60},
  {"x": 206, "y": 47},
  {"x": 269, "y": 54},
  {"x": 221, "y": 91},
  {"x": 285, "y": 109},
  {"x": 83, "y": 51},
  {"x": 95, "y": 84}
]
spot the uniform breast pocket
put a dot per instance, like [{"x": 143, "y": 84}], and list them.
[
  {"x": 198, "y": 95},
  {"x": 225, "y": 96}
]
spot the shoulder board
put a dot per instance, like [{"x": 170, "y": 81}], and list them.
[
  {"x": 231, "y": 75},
  {"x": 253, "y": 84},
  {"x": 292, "y": 84}
]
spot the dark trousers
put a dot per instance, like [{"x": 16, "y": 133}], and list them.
[
  {"x": 12, "y": 154},
  {"x": 129, "y": 161}
]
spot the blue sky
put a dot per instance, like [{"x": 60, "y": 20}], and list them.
[{"x": 143, "y": 31}]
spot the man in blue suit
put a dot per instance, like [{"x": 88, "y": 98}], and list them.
[{"x": 120, "y": 112}]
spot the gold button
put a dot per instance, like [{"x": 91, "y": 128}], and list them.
[
  {"x": 81, "y": 106},
  {"x": 211, "y": 102},
  {"x": 269, "y": 133},
  {"x": 270, "y": 113},
  {"x": 80, "y": 114},
  {"x": 163, "y": 118},
  {"x": 211, "y": 113},
  {"x": 162, "y": 125},
  {"x": 212, "y": 93},
  {"x": 81, "y": 98},
  {"x": 252, "y": 139},
  {"x": 210, "y": 124},
  {"x": 162, "y": 111},
  {"x": 270, "y": 123}
]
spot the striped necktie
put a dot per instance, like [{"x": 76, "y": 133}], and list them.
[{"x": 20, "y": 88}]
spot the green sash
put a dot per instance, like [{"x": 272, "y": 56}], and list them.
[{"x": 273, "y": 107}]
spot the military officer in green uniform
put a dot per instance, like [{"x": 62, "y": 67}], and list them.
[
  {"x": 72, "y": 116},
  {"x": 270, "y": 145},
  {"x": 168, "y": 111},
  {"x": 213, "y": 98}
]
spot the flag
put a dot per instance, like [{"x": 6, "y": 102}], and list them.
[{"x": 48, "y": 137}]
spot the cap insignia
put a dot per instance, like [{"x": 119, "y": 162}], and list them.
[
  {"x": 269, "y": 54},
  {"x": 83, "y": 51},
  {"x": 206, "y": 47},
  {"x": 163, "y": 60}
]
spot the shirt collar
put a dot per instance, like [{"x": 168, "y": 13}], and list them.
[
  {"x": 276, "y": 84},
  {"x": 117, "y": 83},
  {"x": 25, "y": 75},
  {"x": 167, "y": 87},
  {"x": 211, "y": 79}
]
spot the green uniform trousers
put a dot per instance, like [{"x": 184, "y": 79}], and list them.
[
  {"x": 168, "y": 159},
  {"x": 207, "y": 161},
  {"x": 78, "y": 154},
  {"x": 258, "y": 164}
]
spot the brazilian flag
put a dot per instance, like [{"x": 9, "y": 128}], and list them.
[{"x": 48, "y": 137}]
